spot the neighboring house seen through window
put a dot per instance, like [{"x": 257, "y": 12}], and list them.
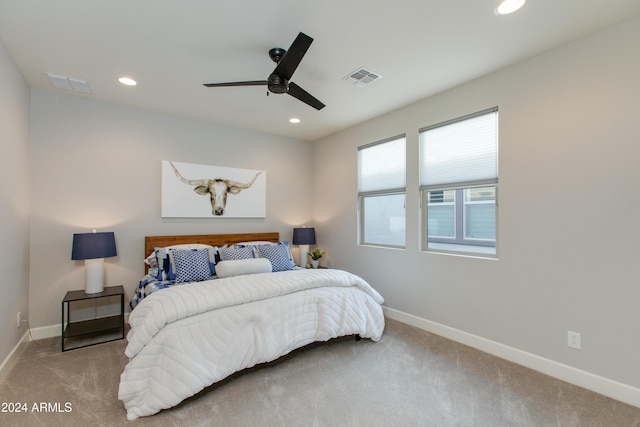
[
  {"x": 458, "y": 183},
  {"x": 381, "y": 193}
]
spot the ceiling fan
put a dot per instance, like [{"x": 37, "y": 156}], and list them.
[{"x": 278, "y": 81}]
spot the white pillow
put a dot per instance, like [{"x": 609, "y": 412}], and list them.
[{"x": 236, "y": 267}]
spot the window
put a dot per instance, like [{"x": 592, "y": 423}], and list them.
[
  {"x": 381, "y": 193},
  {"x": 459, "y": 182}
]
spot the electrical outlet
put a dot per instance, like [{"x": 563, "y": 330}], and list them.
[
  {"x": 573, "y": 340},
  {"x": 19, "y": 319}
]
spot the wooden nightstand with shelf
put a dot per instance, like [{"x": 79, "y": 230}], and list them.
[{"x": 92, "y": 331}]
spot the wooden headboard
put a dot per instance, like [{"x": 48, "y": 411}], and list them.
[{"x": 152, "y": 242}]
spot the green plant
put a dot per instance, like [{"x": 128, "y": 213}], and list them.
[{"x": 316, "y": 255}]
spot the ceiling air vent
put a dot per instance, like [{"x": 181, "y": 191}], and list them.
[
  {"x": 361, "y": 77},
  {"x": 69, "y": 83}
]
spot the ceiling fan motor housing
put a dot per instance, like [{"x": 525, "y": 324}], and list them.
[{"x": 277, "y": 84}]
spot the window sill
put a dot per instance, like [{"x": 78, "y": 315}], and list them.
[{"x": 463, "y": 250}]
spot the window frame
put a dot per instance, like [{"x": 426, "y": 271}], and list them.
[
  {"x": 460, "y": 224},
  {"x": 362, "y": 195},
  {"x": 458, "y": 243}
]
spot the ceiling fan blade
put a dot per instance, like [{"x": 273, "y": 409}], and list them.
[
  {"x": 293, "y": 56},
  {"x": 249, "y": 83},
  {"x": 304, "y": 96}
]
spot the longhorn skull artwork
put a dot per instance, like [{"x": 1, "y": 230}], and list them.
[{"x": 216, "y": 188}]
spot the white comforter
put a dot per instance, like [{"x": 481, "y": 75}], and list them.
[{"x": 185, "y": 338}]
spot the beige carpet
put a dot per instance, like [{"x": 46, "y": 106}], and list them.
[{"x": 409, "y": 378}]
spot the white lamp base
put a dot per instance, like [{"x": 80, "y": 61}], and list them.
[
  {"x": 304, "y": 250},
  {"x": 94, "y": 275}
]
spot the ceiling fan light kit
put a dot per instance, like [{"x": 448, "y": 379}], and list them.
[
  {"x": 279, "y": 81},
  {"x": 277, "y": 84}
]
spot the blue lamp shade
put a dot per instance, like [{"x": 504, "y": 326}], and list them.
[
  {"x": 93, "y": 248},
  {"x": 304, "y": 236},
  {"x": 93, "y": 245}
]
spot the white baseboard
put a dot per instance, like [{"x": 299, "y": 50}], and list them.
[
  {"x": 614, "y": 389},
  {"x": 42, "y": 332},
  {"x": 11, "y": 359},
  {"x": 46, "y": 332},
  {"x": 55, "y": 330}
]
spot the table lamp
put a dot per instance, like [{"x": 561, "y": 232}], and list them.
[
  {"x": 304, "y": 237},
  {"x": 93, "y": 248}
]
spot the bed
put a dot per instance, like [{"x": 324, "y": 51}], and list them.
[{"x": 254, "y": 307}]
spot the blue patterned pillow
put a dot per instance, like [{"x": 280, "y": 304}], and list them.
[
  {"x": 228, "y": 254},
  {"x": 192, "y": 265},
  {"x": 279, "y": 255},
  {"x": 166, "y": 269}
]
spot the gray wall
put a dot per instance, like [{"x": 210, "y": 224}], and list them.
[
  {"x": 97, "y": 165},
  {"x": 14, "y": 202},
  {"x": 569, "y": 233}
]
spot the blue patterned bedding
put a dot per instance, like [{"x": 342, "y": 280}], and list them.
[
  {"x": 148, "y": 285},
  {"x": 166, "y": 271}
]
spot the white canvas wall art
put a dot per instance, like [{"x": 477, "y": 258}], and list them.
[{"x": 192, "y": 190}]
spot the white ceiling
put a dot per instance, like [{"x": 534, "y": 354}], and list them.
[{"x": 420, "y": 47}]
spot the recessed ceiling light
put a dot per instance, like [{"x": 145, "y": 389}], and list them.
[
  {"x": 294, "y": 120},
  {"x": 127, "y": 81},
  {"x": 509, "y": 6}
]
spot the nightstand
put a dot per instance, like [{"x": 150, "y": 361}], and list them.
[{"x": 93, "y": 331}]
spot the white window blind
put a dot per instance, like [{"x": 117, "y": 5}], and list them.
[
  {"x": 462, "y": 151},
  {"x": 381, "y": 166}
]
